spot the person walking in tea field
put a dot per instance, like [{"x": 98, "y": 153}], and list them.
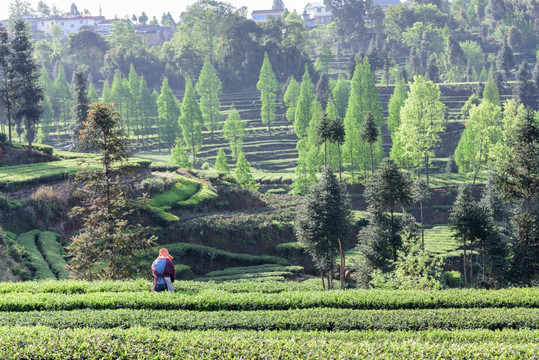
[{"x": 163, "y": 272}]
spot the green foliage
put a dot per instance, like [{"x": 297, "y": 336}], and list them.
[
  {"x": 214, "y": 299},
  {"x": 183, "y": 189},
  {"x": 323, "y": 221},
  {"x": 341, "y": 94},
  {"x": 422, "y": 119},
  {"x": 178, "y": 155},
  {"x": 35, "y": 260},
  {"x": 168, "y": 113},
  {"x": 80, "y": 106},
  {"x": 394, "y": 106},
  {"x": 303, "y": 114},
  {"x": 209, "y": 89},
  {"x": 53, "y": 252},
  {"x": 191, "y": 121},
  {"x": 491, "y": 92},
  {"x": 478, "y": 138},
  {"x": 290, "y": 99},
  {"x": 242, "y": 173},
  {"x": 267, "y": 85},
  {"x": 220, "y": 162},
  {"x": 234, "y": 131},
  {"x": 107, "y": 245}
]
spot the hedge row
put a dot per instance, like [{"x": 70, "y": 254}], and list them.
[
  {"x": 319, "y": 319},
  {"x": 53, "y": 253},
  {"x": 141, "y": 343},
  {"x": 79, "y": 286},
  {"x": 214, "y": 300},
  {"x": 35, "y": 260}
]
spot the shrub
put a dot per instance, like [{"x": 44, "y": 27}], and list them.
[
  {"x": 53, "y": 253},
  {"x": 3, "y": 138},
  {"x": 452, "y": 279},
  {"x": 158, "y": 184}
]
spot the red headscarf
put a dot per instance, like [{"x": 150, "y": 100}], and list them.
[{"x": 163, "y": 254}]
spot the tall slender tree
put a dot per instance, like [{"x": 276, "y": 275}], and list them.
[
  {"x": 209, "y": 89},
  {"x": 341, "y": 94},
  {"x": 80, "y": 107},
  {"x": 28, "y": 93},
  {"x": 303, "y": 109},
  {"x": 168, "y": 114},
  {"x": 369, "y": 134},
  {"x": 323, "y": 223},
  {"x": 267, "y": 84},
  {"x": 6, "y": 76},
  {"x": 478, "y": 138},
  {"x": 234, "y": 131},
  {"x": 422, "y": 119},
  {"x": 191, "y": 121},
  {"x": 62, "y": 98},
  {"x": 291, "y": 97}
]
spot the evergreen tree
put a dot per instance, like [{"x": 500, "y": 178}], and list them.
[
  {"x": 472, "y": 101},
  {"x": 242, "y": 173},
  {"x": 147, "y": 105},
  {"x": 422, "y": 119},
  {"x": 209, "y": 89},
  {"x": 191, "y": 121},
  {"x": 414, "y": 61},
  {"x": 178, "y": 155},
  {"x": 168, "y": 113},
  {"x": 303, "y": 108},
  {"x": 322, "y": 90},
  {"x": 267, "y": 84},
  {"x": 524, "y": 90},
  {"x": 107, "y": 246},
  {"x": 220, "y": 162},
  {"x": 47, "y": 117},
  {"x": 117, "y": 95},
  {"x": 341, "y": 95},
  {"x": 92, "y": 94},
  {"x": 514, "y": 37},
  {"x": 62, "y": 98},
  {"x": 80, "y": 107},
  {"x": 394, "y": 106},
  {"x": 277, "y": 5},
  {"x": 504, "y": 59},
  {"x": 536, "y": 74},
  {"x": 470, "y": 225},
  {"x": 28, "y": 93},
  {"x": 6, "y": 73},
  {"x": 291, "y": 97},
  {"x": 432, "y": 69},
  {"x": 106, "y": 97},
  {"x": 234, "y": 131},
  {"x": 323, "y": 223},
  {"x": 369, "y": 134},
  {"x": 478, "y": 138},
  {"x": 491, "y": 92},
  {"x": 382, "y": 240},
  {"x": 133, "y": 87}
]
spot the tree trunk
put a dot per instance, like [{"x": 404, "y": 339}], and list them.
[
  {"x": 372, "y": 161},
  {"x": 325, "y": 153},
  {"x": 341, "y": 273},
  {"x": 339, "y": 148},
  {"x": 422, "y": 227},
  {"x": 323, "y": 281},
  {"x": 471, "y": 264},
  {"x": 427, "y": 168},
  {"x": 464, "y": 263}
]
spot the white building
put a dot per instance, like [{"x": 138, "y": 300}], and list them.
[
  {"x": 318, "y": 12},
  {"x": 69, "y": 24}
]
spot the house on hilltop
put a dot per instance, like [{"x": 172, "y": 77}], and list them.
[
  {"x": 69, "y": 24},
  {"x": 263, "y": 15}
]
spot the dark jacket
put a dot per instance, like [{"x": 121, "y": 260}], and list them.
[{"x": 162, "y": 268}]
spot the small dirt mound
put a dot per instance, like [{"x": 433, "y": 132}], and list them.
[{"x": 10, "y": 156}]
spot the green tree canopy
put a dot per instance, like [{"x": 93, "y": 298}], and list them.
[
  {"x": 191, "y": 120},
  {"x": 209, "y": 89}
]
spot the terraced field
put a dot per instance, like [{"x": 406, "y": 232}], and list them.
[
  {"x": 276, "y": 153},
  {"x": 270, "y": 320}
]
